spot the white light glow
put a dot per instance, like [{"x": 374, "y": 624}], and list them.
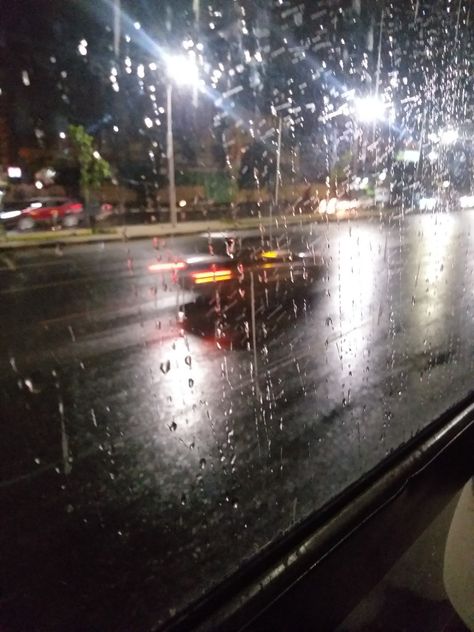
[
  {"x": 14, "y": 172},
  {"x": 9, "y": 214},
  {"x": 449, "y": 136},
  {"x": 38, "y": 184},
  {"x": 370, "y": 109},
  {"x": 333, "y": 206},
  {"x": 82, "y": 48},
  {"x": 427, "y": 203},
  {"x": 466, "y": 201},
  {"x": 148, "y": 122},
  {"x": 182, "y": 69}
]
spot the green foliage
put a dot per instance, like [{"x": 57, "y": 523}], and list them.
[
  {"x": 93, "y": 168},
  {"x": 218, "y": 186},
  {"x": 340, "y": 168}
]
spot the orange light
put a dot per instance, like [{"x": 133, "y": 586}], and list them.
[
  {"x": 167, "y": 266},
  {"x": 211, "y": 276}
]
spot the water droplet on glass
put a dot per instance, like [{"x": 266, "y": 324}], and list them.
[
  {"x": 202, "y": 463},
  {"x": 191, "y": 382},
  {"x": 165, "y": 366},
  {"x": 183, "y": 499},
  {"x": 188, "y": 360},
  {"x": 31, "y": 386},
  {"x": 173, "y": 425}
]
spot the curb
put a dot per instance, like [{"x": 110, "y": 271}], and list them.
[{"x": 147, "y": 231}]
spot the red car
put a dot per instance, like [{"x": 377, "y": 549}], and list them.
[{"x": 44, "y": 211}]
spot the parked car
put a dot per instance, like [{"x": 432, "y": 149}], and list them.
[{"x": 46, "y": 211}]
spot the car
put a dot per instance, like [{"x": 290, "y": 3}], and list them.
[
  {"x": 49, "y": 211},
  {"x": 225, "y": 290}
]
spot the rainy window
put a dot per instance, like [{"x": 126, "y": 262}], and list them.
[{"x": 236, "y": 245}]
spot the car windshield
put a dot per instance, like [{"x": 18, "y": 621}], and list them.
[{"x": 251, "y": 287}]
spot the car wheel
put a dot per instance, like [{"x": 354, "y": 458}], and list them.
[
  {"x": 26, "y": 223},
  {"x": 70, "y": 221}
]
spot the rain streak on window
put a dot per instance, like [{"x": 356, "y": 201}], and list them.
[{"x": 236, "y": 274}]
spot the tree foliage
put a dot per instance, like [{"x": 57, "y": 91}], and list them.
[{"x": 93, "y": 168}]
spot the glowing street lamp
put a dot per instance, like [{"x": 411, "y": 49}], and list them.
[
  {"x": 371, "y": 109},
  {"x": 181, "y": 69}
]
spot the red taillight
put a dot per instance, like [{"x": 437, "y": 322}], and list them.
[
  {"x": 167, "y": 266},
  {"x": 211, "y": 276}
]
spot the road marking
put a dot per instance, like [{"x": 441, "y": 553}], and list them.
[
  {"x": 8, "y": 262},
  {"x": 64, "y": 440}
]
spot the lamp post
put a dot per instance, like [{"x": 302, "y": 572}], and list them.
[
  {"x": 183, "y": 70},
  {"x": 170, "y": 155},
  {"x": 277, "y": 179}
]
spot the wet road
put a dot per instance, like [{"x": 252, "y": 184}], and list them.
[{"x": 142, "y": 463}]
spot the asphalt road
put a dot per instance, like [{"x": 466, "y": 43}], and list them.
[{"x": 141, "y": 463}]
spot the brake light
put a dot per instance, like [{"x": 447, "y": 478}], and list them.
[
  {"x": 167, "y": 266},
  {"x": 211, "y": 276}
]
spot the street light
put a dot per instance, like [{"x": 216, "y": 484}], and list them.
[
  {"x": 183, "y": 70},
  {"x": 370, "y": 109}
]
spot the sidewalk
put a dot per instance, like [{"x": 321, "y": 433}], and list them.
[{"x": 143, "y": 231}]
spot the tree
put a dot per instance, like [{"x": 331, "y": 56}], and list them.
[{"x": 93, "y": 168}]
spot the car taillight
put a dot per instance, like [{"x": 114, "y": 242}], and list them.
[
  {"x": 211, "y": 276},
  {"x": 167, "y": 266}
]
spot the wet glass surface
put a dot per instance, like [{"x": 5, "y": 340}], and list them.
[{"x": 176, "y": 398}]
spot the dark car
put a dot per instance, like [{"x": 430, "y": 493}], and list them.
[
  {"x": 42, "y": 211},
  {"x": 224, "y": 292}
]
